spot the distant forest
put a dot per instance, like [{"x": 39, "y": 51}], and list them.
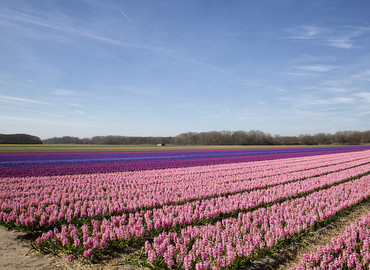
[
  {"x": 253, "y": 137},
  {"x": 19, "y": 139}
]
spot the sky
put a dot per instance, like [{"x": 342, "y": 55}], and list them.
[{"x": 160, "y": 68}]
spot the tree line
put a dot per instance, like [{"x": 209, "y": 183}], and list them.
[
  {"x": 19, "y": 139},
  {"x": 253, "y": 137},
  {"x": 110, "y": 140}
]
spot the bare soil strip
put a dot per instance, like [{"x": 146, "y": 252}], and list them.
[
  {"x": 14, "y": 253},
  {"x": 290, "y": 255}
]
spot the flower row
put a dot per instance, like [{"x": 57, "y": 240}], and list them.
[
  {"x": 349, "y": 250},
  {"x": 50, "y": 157}
]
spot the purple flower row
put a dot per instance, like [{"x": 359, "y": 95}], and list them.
[
  {"x": 24, "y": 158},
  {"x": 35, "y": 164}
]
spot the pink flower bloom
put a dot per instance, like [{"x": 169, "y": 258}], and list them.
[
  {"x": 70, "y": 258},
  {"x": 88, "y": 253}
]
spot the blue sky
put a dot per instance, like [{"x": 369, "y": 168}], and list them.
[{"x": 160, "y": 68}]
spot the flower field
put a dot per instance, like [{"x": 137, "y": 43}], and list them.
[{"x": 195, "y": 209}]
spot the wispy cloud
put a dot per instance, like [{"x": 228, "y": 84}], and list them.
[
  {"x": 22, "y": 20},
  {"x": 124, "y": 15},
  {"x": 52, "y": 122},
  {"x": 336, "y": 89},
  {"x": 280, "y": 89},
  {"x": 307, "y": 32},
  {"x": 21, "y": 100},
  {"x": 57, "y": 29},
  {"x": 364, "y": 96},
  {"x": 316, "y": 68},
  {"x": 73, "y": 104},
  {"x": 310, "y": 101},
  {"x": 343, "y": 38},
  {"x": 340, "y": 42},
  {"x": 5, "y": 82},
  {"x": 197, "y": 62},
  {"x": 54, "y": 115},
  {"x": 300, "y": 73},
  {"x": 363, "y": 75},
  {"x": 329, "y": 89},
  {"x": 66, "y": 92},
  {"x": 53, "y": 27}
]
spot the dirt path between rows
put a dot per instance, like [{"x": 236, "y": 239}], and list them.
[{"x": 14, "y": 253}]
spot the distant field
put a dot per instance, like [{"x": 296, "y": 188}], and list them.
[{"x": 23, "y": 148}]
